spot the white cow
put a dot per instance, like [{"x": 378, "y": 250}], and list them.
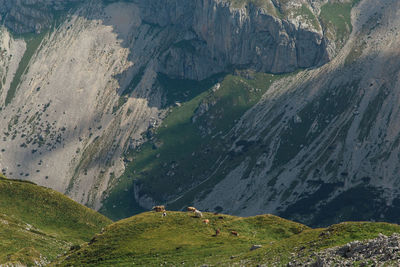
[{"x": 198, "y": 214}]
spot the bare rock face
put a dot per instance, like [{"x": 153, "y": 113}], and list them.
[
  {"x": 76, "y": 96},
  {"x": 214, "y": 36}
]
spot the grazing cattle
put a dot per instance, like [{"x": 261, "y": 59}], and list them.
[
  {"x": 217, "y": 232},
  {"x": 159, "y": 208},
  {"x": 234, "y": 233},
  {"x": 198, "y": 214},
  {"x": 206, "y": 221},
  {"x": 191, "y": 209}
]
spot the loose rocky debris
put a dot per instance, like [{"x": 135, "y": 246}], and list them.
[{"x": 381, "y": 251}]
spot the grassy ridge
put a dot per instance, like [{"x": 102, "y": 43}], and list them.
[
  {"x": 148, "y": 239},
  {"x": 39, "y": 225},
  {"x": 39, "y": 221}
]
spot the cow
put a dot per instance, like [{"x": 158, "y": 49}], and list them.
[
  {"x": 191, "y": 209},
  {"x": 206, "y": 221},
  {"x": 198, "y": 214},
  {"x": 159, "y": 208},
  {"x": 234, "y": 233}
]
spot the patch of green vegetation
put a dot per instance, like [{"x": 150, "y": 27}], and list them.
[
  {"x": 33, "y": 42},
  {"x": 183, "y": 151},
  {"x": 149, "y": 239},
  {"x": 179, "y": 90},
  {"x": 37, "y": 221},
  {"x": 336, "y": 17},
  {"x": 306, "y": 14}
]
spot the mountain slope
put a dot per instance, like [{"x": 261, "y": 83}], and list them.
[
  {"x": 321, "y": 146},
  {"x": 37, "y": 224},
  {"x": 330, "y": 135},
  {"x": 148, "y": 239},
  {"x": 83, "y": 83},
  {"x": 200, "y": 142}
]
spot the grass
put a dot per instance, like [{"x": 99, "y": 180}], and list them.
[
  {"x": 39, "y": 225},
  {"x": 337, "y": 17},
  {"x": 39, "y": 221},
  {"x": 148, "y": 239},
  {"x": 310, "y": 241}
]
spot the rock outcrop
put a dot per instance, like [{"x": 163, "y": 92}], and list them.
[{"x": 380, "y": 251}]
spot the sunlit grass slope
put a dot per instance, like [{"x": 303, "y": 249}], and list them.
[
  {"x": 39, "y": 223},
  {"x": 148, "y": 239}
]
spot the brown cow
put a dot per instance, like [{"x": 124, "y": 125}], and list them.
[
  {"x": 234, "y": 233},
  {"x": 191, "y": 209},
  {"x": 159, "y": 208}
]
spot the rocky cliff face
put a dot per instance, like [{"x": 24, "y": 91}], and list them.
[
  {"x": 325, "y": 148},
  {"x": 81, "y": 92},
  {"x": 214, "y": 36}
]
